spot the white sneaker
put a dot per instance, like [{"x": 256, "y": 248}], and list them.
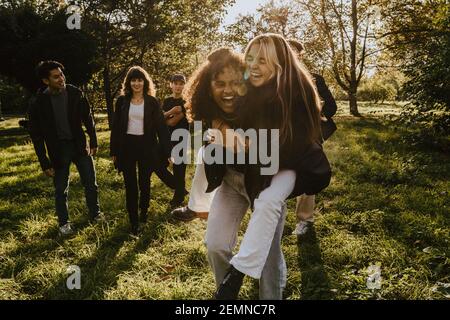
[
  {"x": 66, "y": 229},
  {"x": 302, "y": 228}
]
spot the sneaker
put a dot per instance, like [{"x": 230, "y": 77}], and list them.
[
  {"x": 100, "y": 218},
  {"x": 303, "y": 227},
  {"x": 134, "y": 231},
  {"x": 66, "y": 230},
  {"x": 230, "y": 286},
  {"x": 185, "y": 214}
]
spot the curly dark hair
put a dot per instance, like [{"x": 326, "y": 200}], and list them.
[
  {"x": 137, "y": 72},
  {"x": 199, "y": 103}
]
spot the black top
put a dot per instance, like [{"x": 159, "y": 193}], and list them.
[
  {"x": 60, "y": 111},
  {"x": 171, "y": 102}
]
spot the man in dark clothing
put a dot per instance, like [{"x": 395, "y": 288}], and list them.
[
  {"x": 175, "y": 115},
  {"x": 55, "y": 126},
  {"x": 305, "y": 203}
]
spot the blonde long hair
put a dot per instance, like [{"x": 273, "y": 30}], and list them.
[{"x": 291, "y": 76}]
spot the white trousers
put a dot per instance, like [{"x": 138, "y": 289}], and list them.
[
  {"x": 266, "y": 219},
  {"x": 199, "y": 200},
  {"x": 260, "y": 254}
]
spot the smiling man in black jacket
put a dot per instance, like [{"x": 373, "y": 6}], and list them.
[{"x": 55, "y": 127}]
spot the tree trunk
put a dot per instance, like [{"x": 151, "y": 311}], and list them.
[
  {"x": 353, "y": 104},
  {"x": 108, "y": 96}
]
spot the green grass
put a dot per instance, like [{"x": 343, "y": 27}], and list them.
[{"x": 388, "y": 204}]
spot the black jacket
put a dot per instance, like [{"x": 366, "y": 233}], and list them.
[
  {"x": 42, "y": 126},
  {"x": 157, "y": 146},
  {"x": 329, "y": 107},
  {"x": 259, "y": 109}
]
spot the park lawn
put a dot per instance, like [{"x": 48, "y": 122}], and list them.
[{"x": 387, "y": 205}]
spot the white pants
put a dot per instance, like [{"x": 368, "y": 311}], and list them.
[
  {"x": 199, "y": 200},
  {"x": 267, "y": 217},
  {"x": 227, "y": 210}
]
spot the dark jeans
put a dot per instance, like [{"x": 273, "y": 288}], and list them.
[{"x": 85, "y": 166}]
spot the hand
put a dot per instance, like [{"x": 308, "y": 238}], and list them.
[
  {"x": 93, "y": 152},
  {"x": 171, "y": 160},
  {"x": 173, "y": 120},
  {"x": 49, "y": 172},
  {"x": 210, "y": 135}
]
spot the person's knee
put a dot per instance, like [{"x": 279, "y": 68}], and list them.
[
  {"x": 216, "y": 247},
  {"x": 272, "y": 204}
]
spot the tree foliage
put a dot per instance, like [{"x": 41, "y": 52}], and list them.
[
  {"x": 30, "y": 35},
  {"x": 162, "y": 36},
  {"x": 338, "y": 35},
  {"x": 418, "y": 33}
]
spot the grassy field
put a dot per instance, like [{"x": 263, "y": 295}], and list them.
[{"x": 387, "y": 205}]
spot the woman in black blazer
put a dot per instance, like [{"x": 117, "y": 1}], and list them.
[{"x": 139, "y": 137}]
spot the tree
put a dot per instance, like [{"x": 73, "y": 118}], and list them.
[
  {"x": 338, "y": 35},
  {"x": 29, "y": 36},
  {"x": 418, "y": 35},
  {"x": 285, "y": 18},
  {"x": 348, "y": 28},
  {"x": 134, "y": 33}
]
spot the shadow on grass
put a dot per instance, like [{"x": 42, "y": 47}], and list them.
[
  {"x": 9, "y": 141},
  {"x": 315, "y": 284},
  {"x": 101, "y": 271}
]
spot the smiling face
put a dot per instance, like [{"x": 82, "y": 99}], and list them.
[
  {"x": 259, "y": 69},
  {"x": 56, "y": 80},
  {"x": 225, "y": 87},
  {"x": 137, "y": 85}
]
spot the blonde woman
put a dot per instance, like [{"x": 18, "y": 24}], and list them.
[{"x": 281, "y": 95}]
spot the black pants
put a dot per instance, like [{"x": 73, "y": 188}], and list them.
[
  {"x": 166, "y": 177},
  {"x": 179, "y": 172},
  {"x": 134, "y": 157}
]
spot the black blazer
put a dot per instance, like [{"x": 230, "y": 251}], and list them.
[
  {"x": 42, "y": 127},
  {"x": 329, "y": 107},
  {"x": 157, "y": 147}
]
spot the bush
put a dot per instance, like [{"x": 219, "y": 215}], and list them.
[
  {"x": 12, "y": 97},
  {"x": 377, "y": 91}
]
